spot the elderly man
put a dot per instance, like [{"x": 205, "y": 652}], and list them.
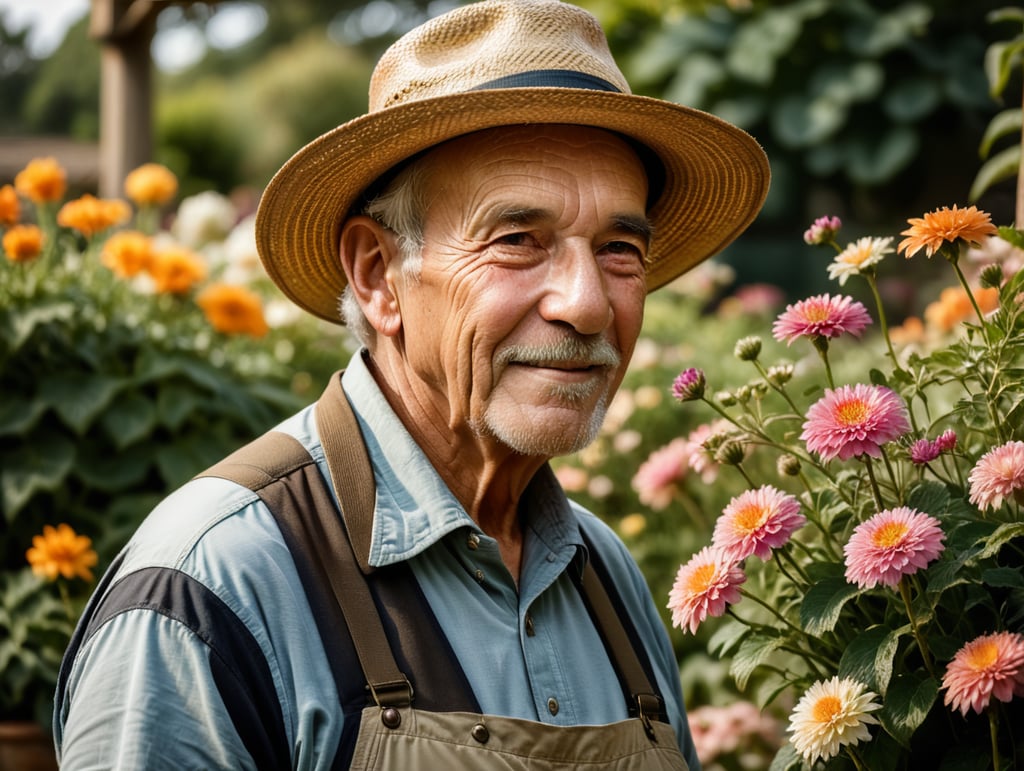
[{"x": 393, "y": 578}]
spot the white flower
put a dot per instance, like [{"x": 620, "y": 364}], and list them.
[
  {"x": 861, "y": 254},
  {"x": 831, "y": 714},
  {"x": 208, "y": 216}
]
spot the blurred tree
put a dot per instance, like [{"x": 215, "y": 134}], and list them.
[{"x": 17, "y": 71}]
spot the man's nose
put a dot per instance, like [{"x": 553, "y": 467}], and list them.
[{"x": 577, "y": 291}]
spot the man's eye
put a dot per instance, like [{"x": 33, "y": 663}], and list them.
[
  {"x": 513, "y": 239},
  {"x": 624, "y": 248}
]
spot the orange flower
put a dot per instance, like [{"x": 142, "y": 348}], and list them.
[
  {"x": 23, "y": 243},
  {"x": 945, "y": 225},
  {"x": 127, "y": 253},
  {"x": 954, "y": 306},
  {"x": 42, "y": 180},
  {"x": 151, "y": 185},
  {"x": 61, "y": 551},
  {"x": 233, "y": 310},
  {"x": 910, "y": 331},
  {"x": 176, "y": 270},
  {"x": 90, "y": 215},
  {"x": 10, "y": 207}
]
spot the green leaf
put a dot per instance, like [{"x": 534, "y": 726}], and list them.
[
  {"x": 1003, "y": 534},
  {"x": 113, "y": 473},
  {"x": 801, "y": 121},
  {"x": 786, "y": 759},
  {"x": 912, "y": 99},
  {"x": 872, "y": 161},
  {"x": 18, "y": 415},
  {"x": 929, "y": 498},
  {"x": 78, "y": 398},
  {"x": 24, "y": 322},
  {"x": 40, "y": 465},
  {"x": 869, "y": 657},
  {"x": 725, "y": 639},
  {"x": 1003, "y": 124},
  {"x": 1000, "y": 61},
  {"x": 907, "y": 703},
  {"x": 131, "y": 418},
  {"x": 1003, "y": 578},
  {"x": 820, "y": 609},
  {"x": 1015, "y": 237},
  {"x": 752, "y": 652},
  {"x": 177, "y": 400},
  {"x": 1001, "y": 166}
]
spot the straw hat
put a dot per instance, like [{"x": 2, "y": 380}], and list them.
[{"x": 502, "y": 63}]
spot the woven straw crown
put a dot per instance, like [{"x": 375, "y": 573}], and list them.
[{"x": 505, "y": 63}]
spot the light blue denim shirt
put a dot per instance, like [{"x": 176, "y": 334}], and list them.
[{"x": 147, "y": 689}]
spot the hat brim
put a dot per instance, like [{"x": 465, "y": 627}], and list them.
[{"x": 716, "y": 177}]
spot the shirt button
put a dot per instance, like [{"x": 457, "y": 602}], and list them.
[
  {"x": 553, "y": 705},
  {"x": 530, "y": 631},
  {"x": 479, "y": 576},
  {"x": 473, "y": 542}
]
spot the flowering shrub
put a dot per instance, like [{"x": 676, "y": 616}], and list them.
[
  {"x": 130, "y": 359},
  {"x": 876, "y": 576}
]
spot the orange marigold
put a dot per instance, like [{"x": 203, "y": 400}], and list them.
[
  {"x": 954, "y": 306},
  {"x": 233, "y": 310},
  {"x": 61, "y": 551},
  {"x": 127, "y": 253},
  {"x": 176, "y": 270},
  {"x": 151, "y": 184},
  {"x": 943, "y": 226},
  {"x": 23, "y": 243},
  {"x": 90, "y": 215},
  {"x": 43, "y": 180},
  {"x": 10, "y": 206}
]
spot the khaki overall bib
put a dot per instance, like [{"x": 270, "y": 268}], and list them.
[{"x": 393, "y": 734}]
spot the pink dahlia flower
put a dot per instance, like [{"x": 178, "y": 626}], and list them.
[
  {"x": 925, "y": 451},
  {"x": 655, "y": 480},
  {"x": 892, "y": 544},
  {"x": 689, "y": 385},
  {"x": 998, "y": 475},
  {"x": 821, "y": 316},
  {"x": 822, "y": 231},
  {"x": 990, "y": 665},
  {"x": 755, "y": 522},
  {"x": 854, "y": 420},
  {"x": 704, "y": 586}
]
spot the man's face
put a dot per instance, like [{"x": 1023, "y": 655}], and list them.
[{"x": 531, "y": 294}]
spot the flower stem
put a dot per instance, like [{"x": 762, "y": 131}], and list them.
[
  {"x": 993, "y": 733},
  {"x": 970, "y": 296},
  {"x": 874, "y": 483},
  {"x": 882, "y": 321},
  {"x": 905, "y": 594},
  {"x": 821, "y": 346}
]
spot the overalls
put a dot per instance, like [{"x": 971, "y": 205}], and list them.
[{"x": 381, "y": 618}]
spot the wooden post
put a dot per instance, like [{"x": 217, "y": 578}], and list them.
[{"x": 125, "y": 29}]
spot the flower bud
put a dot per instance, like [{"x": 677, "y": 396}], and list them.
[
  {"x": 788, "y": 465},
  {"x": 748, "y": 348},
  {"x": 992, "y": 277},
  {"x": 822, "y": 231},
  {"x": 730, "y": 453},
  {"x": 780, "y": 374},
  {"x": 725, "y": 398},
  {"x": 689, "y": 385}
]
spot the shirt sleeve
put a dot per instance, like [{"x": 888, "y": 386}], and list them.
[{"x": 143, "y": 694}]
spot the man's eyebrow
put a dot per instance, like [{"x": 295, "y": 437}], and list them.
[
  {"x": 635, "y": 224},
  {"x": 522, "y": 215}
]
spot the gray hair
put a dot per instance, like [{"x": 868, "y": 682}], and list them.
[{"x": 400, "y": 208}]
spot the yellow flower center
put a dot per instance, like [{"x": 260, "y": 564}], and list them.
[
  {"x": 857, "y": 256},
  {"x": 826, "y": 709},
  {"x": 982, "y": 656},
  {"x": 750, "y": 517},
  {"x": 817, "y": 312},
  {"x": 852, "y": 413},
  {"x": 701, "y": 578},
  {"x": 890, "y": 534}
]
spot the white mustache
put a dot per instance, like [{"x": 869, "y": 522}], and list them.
[{"x": 568, "y": 353}]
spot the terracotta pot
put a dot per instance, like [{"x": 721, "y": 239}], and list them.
[{"x": 25, "y": 746}]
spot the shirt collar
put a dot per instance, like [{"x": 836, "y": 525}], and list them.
[{"x": 414, "y": 508}]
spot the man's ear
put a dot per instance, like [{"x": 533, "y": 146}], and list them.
[{"x": 367, "y": 249}]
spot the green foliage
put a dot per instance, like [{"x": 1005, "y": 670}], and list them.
[
  {"x": 849, "y": 93},
  {"x": 1002, "y": 60},
  {"x": 113, "y": 395}
]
